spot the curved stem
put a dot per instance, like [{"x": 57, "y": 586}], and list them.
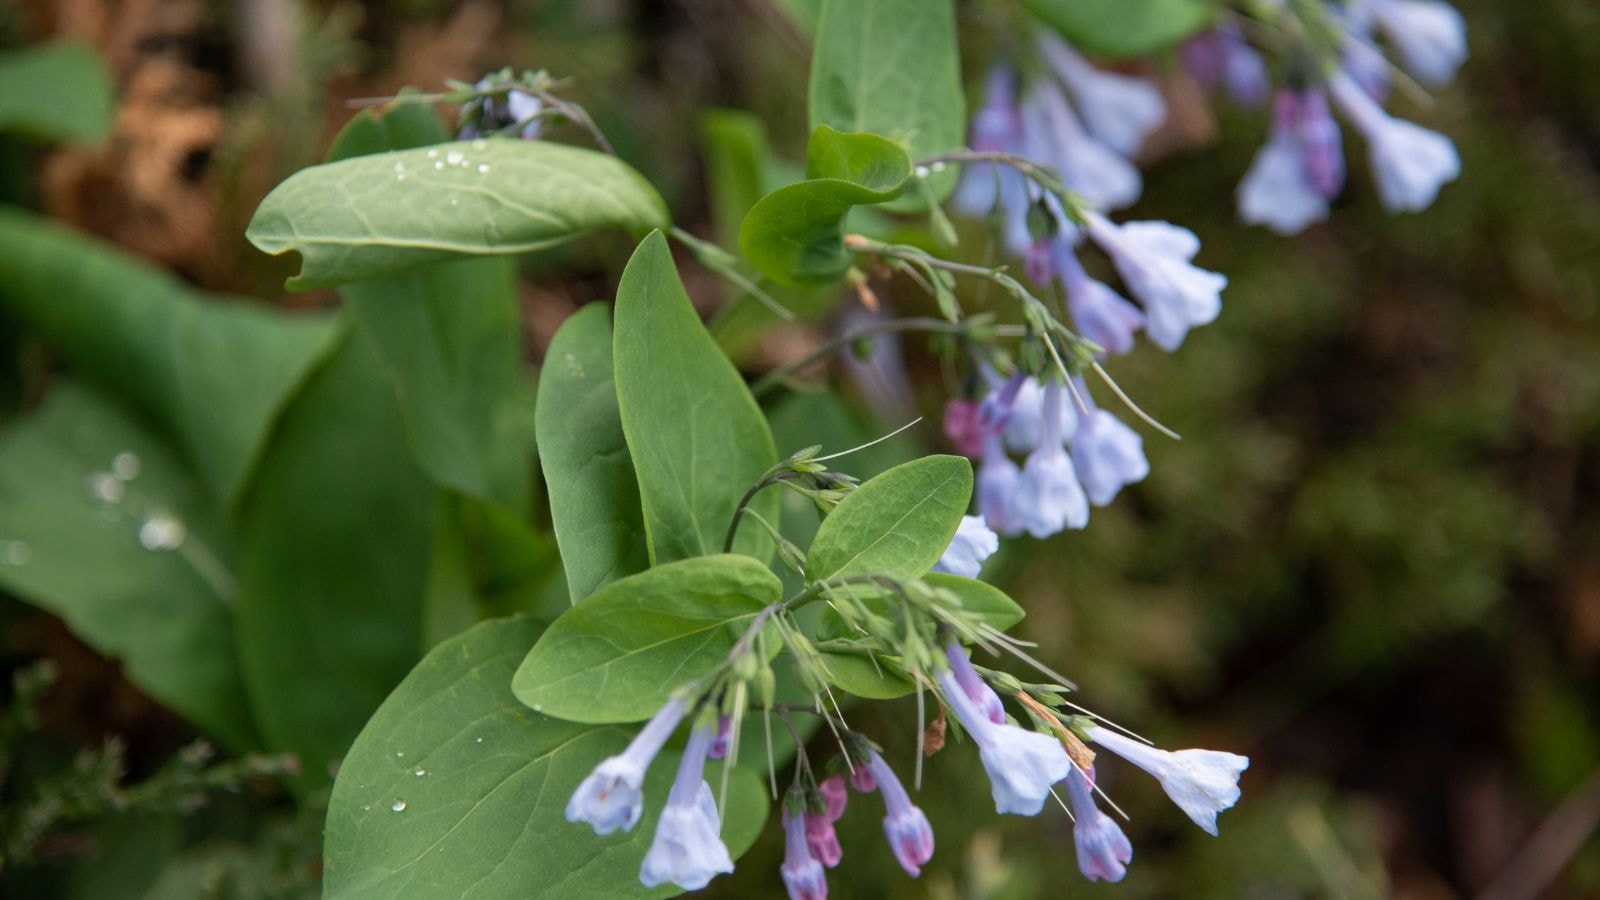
[{"x": 772, "y": 379}]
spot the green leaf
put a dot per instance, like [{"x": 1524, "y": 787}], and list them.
[
  {"x": 795, "y": 235},
  {"x": 856, "y": 674},
  {"x": 59, "y": 91},
  {"x": 594, "y": 497},
  {"x": 617, "y": 656},
  {"x": 485, "y": 818},
  {"x": 449, "y": 335},
  {"x": 84, "y": 489},
  {"x": 898, "y": 523},
  {"x": 892, "y": 67},
  {"x": 214, "y": 373},
  {"x": 335, "y": 540},
  {"x": 1117, "y": 29},
  {"x": 697, "y": 438},
  {"x": 374, "y": 215}
]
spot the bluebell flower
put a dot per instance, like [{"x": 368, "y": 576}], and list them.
[
  {"x": 723, "y": 739},
  {"x": 1052, "y": 134},
  {"x": 996, "y": 128},
  {"x": 997, "y": 482},
  {"x": 820, "y": 836},
  {"x": 1429, "y": 35},
  {"x": 611, "y": 797},
  {"x": 1022, "y": 764},
  {"x": 687, "y": 849},
  {"x": 973, "y": 543},
  {"x": 1048, "y": 497},
  {"x": 1103, "y": 850},
  {"x": 1277, "y": 190},
  {"x": 1026, "y": 423},
  {"x": 1222, "y": 57},
  {"x": 802, "y": 873},
  {"x": 1101, "y": 314},
  {"x": 910, "y": 836},
  {"x": 1360, "y": 57},
  {"x": 1202, "y": 783},
  {"x": 974, "y": 687},
  {"x": 1118, "y": 110},
  {"x": 1411, "y": 163},
  {"x": 1153, "y": 259},
  {"x": 1107, "y": 455},
  {"x": 525, "y": 108}
]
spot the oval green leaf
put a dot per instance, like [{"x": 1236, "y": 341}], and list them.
[
  {"x": 795, "y": 235},
  {"x": 617, "y": 656},
  {"x": 1118, "y": 29},
  {"x": 372, "y": 215},
  {"x": 454, "y": 789},
  {"x": 897, "y": 524}
]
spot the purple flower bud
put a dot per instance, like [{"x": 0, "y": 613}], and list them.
[
  {"x": 1103, "y": 850},
  {"x": 862, "y": 779},
  {"x": 963, "y": 426},
  {"x": 611, "y": 796},
  {"x": 722, "y": 739},
  {"x": 822, "y": 840},
  {"x": 1153, "y": 259},
  {"x": 973, "y": 543},
  {"x": 1108, "y": 455},
  {"x": 1320, "y": 143},
  {"x": 687, "y": 849},
  {"x": 910, "y": 836},
  {"x": 973, "y": 686},
  {"x": 995, "y": 412},
  {"x": 834, "y": 796},
  {"x": 802, "y": 873},
  {"x": 1202, "y": 783},
  {"x": 1118, "y": 110},
  {"x": 1410, "y": 162},
  {"x": 1022, "y": 765}
]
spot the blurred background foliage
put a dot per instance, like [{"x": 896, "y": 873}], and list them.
[{"x": 1371, "y": 563}]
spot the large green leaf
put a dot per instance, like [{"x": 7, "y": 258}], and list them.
[
  {"x": 215, "y": 373},
  {"x": 795, "y": 235},
  {"x": 892, "y": 67},
  {"x": 898, "y": 523},
  {"x": 59, "y": 91},
  {"x": 374, "y": 215},
  {"x": 456, "y": 790},
  {"x": 1122, "y": 28},
  {"x": 697, "y": 438},
  {"x": 102, "y": 525},
  {"x": 617, "y": 656},
  {"x": 336, "y": 532},
  {"x": 449, "y": 336},
  {"x": 594, "y": 497}
]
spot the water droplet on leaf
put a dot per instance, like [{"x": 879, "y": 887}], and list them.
[
  {"x": 162, "y": 533},
  {"x": 105, "y": 487},
  {"x": 125, "y": 466},
  {"x": 397, "y": 806}
]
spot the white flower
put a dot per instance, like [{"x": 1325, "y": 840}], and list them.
[
  {"x": 611, "y": 797},
  {"x": 1202, "y": 783},
  {"x": 1118, "y": 110},
  {"x": 1022, "y": 764},
  {"x": 1153, "y": 258},
  {"x": 1410, "y": 162},
  {"x": 1107, "y": 455},
  {"x": 687, "y": 849},
  {"x": 1052, "y": 133},
  {"x": 1429, "y": 35},
  {"x": 1276, "y": 192},
  {"x": 1027, "y": 417},
  {"x": 972, "y": 544}
]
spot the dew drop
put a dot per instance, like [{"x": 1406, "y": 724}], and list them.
[
  {"x": 480, "y": 145},
  {"x": 399, "y": 168},
  {"x": 922, "y": 171},
  {"x": 454, "y": 157},
  {"x": 125, "y": 466},
  {"x": 105, "y": 487},
  {"x": 477, "y": 740},
  {"x": 399, "y": 754},
  {"x": 419, "y": 771},
  {"x": 397, "y": 806},
  {"x": 454, "y": 201},
  {"x": 400, "y": 177},
  {"x": 937, "y": 167},
  {"x": 366, "y": 807},
  {"x": 433, "y": 154},
  {"x": 438, "y": 167},
  {"x": 483, "y": 169},
  {"x": 162, "y": 533}
]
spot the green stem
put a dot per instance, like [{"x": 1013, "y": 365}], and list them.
[{"x": 772, "y": 379}]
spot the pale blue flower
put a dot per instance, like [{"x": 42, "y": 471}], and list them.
[
  {"x": 1048, "y": 497},
  {"x": 1411, "y": 163},
  {"x": 1107, "y": 455},
  {"x": 1118, "y": 110},
  {"x": 1153, "y": 259},
  {"x": 1429, "y": 35},
  {"x": 996, "y": 128},
  {"x": 1101, "y": 314},
  {"x": 1022, "y": 764},
  {"x": 1103, "y": 850},
  {"x": 975, "y": 688},
  {"x": 997, "y": 482},
  {"x": 1053, "y": 134},
  {"x": 687, "y": 849},
  {"x": 611, "y": 796},
  {"x": 1276, "y": 191},
  {"x": 910, "y": 836},
  {"x": 1321, "y": 143},
  {"x": 802, "y": 874},
  {"x": 1202, "y": 783},
  {"x": 1222, "y": 57},
  {"x": 973, "y": 543},
  {"x": 1026, "y": 422}
]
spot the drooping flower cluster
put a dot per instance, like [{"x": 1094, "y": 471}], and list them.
[{"x": 1300, "y": 168}]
